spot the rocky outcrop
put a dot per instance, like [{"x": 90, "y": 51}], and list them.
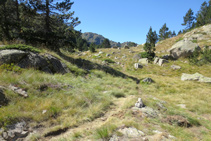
[
  {"x": 195, "y": 77},
  {"x": 26, "y": 59},
  {"x": 139, "y": 103},
  {"x": 19, "y": 91},
  {"x": 183, "y": 48}
]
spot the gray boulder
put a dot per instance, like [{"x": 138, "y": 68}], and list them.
[
  {"x": 183, "y": 48},
  {"x": 11, "y": 56},
  {"x": 144, "y": 61},
  {"x": 139, "y": 103},
  {"x": 160, "y": 61},
  {"x": 147, "y": 80},
  {"x": 138, "y": 66},
  {"x": 195, "y": 77},
  {"x": 25, "y": 59},
  {"x": 175, "y": 67}
]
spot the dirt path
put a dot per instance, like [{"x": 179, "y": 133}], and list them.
[{"x": 91, "y": 126}]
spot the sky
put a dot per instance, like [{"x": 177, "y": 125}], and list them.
[{"x": 130, "y": 20}]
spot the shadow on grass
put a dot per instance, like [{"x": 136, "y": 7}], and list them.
[{"x": 88, "y": 65}]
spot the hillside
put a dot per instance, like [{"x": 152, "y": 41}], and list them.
[
  {"x": 98, "y": 39},
  {"x": 92, "y": 96}
]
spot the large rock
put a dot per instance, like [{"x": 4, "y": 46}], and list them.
[
  {"x": 144, "y": 61},
  {"x": 25, "y": 59},
  {"x": 183, "y": 48},
  {"x": 160, "y": 61},
  {"x": 195, "y": 77},
  {"x": 11, "y": 56},
  {"x": 175, "y": 67}
]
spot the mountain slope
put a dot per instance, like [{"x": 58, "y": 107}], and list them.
[{"x": 98, "y": 39}]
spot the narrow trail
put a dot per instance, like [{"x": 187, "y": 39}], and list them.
[{"x": 91, "y": 126}]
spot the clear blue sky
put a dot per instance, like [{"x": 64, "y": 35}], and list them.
[{"x": 130, "y": 20}]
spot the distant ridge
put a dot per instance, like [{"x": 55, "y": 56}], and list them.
[{"x": 98, "y": 39}]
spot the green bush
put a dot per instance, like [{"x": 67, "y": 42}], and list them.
[
  {"x": 21, "y": 47},
  {"x": 200, "y": 57},
  {"x": 150, "y": 56},
  {"x": 108, "y": 61},
  {"x": 11, "y": 67},
  {"x": 92, "y": 49}
]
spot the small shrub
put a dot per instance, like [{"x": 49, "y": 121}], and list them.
[
  {"x": 150, "y": 56},
  {"x": 200, "y": 57},
  {"x": 92, "y": 49},
  {"x": 118, "y": 94},
  {"x": 11, "y": 67},
  {"x": 102, "y": 133},
  {"x": 179, "y": 39},
  {"x": 108, "y": 61},
  {"x": 194, "y": 41}
]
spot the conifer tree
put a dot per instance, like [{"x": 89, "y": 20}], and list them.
[
  {"x": 149, "y": 46},
  {"x": 106, "y": 44},
  {"x": 188, "y": 19},
  {"x": 164, "y": 32}
]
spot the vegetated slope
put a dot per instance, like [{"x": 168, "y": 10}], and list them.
[
  {"x": 98, "y": 39},
  {"x": 95, "y": 103}
]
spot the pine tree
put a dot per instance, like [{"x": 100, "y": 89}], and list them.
[
  {"x": 188, "y": 19},
  {"x": 106, "y": 44},
  {"x": 164, "y": 32},
  {"x": 208, "y": 15},
  {"x": 149, "y": 46},
  {"x": 201, "y": 15}
]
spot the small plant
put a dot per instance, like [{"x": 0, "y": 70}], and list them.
[
  {"x": 118, "y": 94},
  {"x": 11, "y": 67},
  {"x": 108, "y": 61},
  {"x": 102, "y": 133},
  {"x": 180, "y": 39},
  {"x": 194, "y": 41}
]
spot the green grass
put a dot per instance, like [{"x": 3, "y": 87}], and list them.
[{"x": 21, "y": 47}]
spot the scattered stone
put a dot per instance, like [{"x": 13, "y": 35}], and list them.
[
  {"x": 147, "y": 80},
  {"x": 182, "y": 106},
  {"x": 131, "y": 51},
  {"x": 136, "y": 57},
  {"x": 118, "y": 63},
  {"x": 131, "y": 132},
  {"x": 16, "y": 131},
  {"x": 100, "y": 53},
  {"x": 144, "y": 61},
  {"x": 183, "y": 48},
  {"x": 156, "y": 60},
  {"x": 146, "y": 111},
  {"x": 195, "y": 77},
  {"x": 126, "y": 47},
  {"x": 44, "y": 111},
  {"x": 116, "y": 58},
  {"x": 178, "y": 120},
  {"x": 161, "y": 106},
  {"x": 162, "y": 61},
  {"x": 107, "y": 55},
  {"x": 138, "y": 66},
  {"x": 175, "y": 67},
  {"x": 139, "y": 103},
  {"x": 19, "y": 91},
  {"x": 123, "y": 57}
]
